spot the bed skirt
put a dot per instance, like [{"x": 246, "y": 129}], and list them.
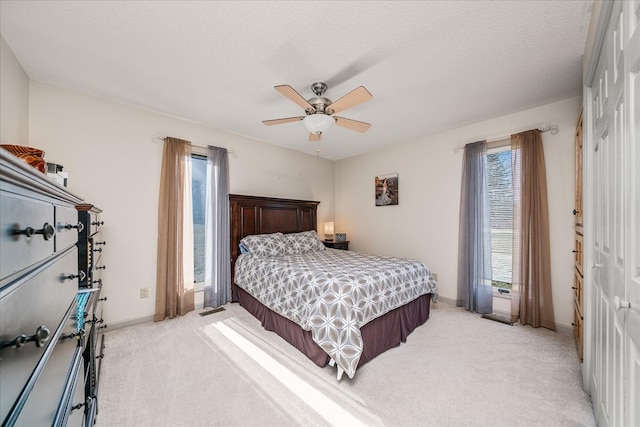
[{"x": 378, "y": 336}]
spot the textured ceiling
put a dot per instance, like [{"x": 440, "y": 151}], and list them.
[{"x": 431, "y": 65}]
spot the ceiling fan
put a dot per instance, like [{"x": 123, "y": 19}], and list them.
[{"x": 320, "y": 110}]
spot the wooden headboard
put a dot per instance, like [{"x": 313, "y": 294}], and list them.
[{"x": 261, "y": 215}]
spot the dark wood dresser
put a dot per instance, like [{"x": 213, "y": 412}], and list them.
[{"x": 43, "y": 316}]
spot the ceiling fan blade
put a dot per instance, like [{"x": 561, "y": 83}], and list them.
[
  {"x": 314, "y": 137},
  {"x": 281, "y": 121},
  {"x": 355, "y": 97},
  {"x": 352, "y": 124},
  {"x": 291, "y": 93}
]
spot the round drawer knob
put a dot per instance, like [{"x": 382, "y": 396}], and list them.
[
  {"x": 47, "y": 231},
  {"x": 79, "y": 226},
  {"x": 39, "y": 338}
]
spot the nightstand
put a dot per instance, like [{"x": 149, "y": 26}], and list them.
[{"x": 336, "y": 245}]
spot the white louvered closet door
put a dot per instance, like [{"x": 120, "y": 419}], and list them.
[
  {"x": 613, "y": 159},
  {"x": 632, "y": 182}
]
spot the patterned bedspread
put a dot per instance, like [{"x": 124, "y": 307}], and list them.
[{"x": 333, "y": 293}]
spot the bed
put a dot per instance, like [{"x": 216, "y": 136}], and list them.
[{"x": 336, "y": 307}]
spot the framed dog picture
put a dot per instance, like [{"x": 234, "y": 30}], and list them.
[{"x": 387, "y": 189}]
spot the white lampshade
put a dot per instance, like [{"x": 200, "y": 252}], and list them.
[
  {"x": 328, "y": 227},
  {"x": 318, "y": 123},
  {"x": 328, "y": 230}
]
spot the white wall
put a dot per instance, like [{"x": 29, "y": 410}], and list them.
[
  {"x": 108, "y": 150},
  {"x": 424, "y": 225},
  {"x": 14, "y": 102},
  {"x": 113, "y": 161}
]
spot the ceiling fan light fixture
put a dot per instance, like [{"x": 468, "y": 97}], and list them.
[{"x": 318, "y": 123}]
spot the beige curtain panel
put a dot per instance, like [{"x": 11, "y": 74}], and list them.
[
  {"x": 174, "y": 282},
  {"x": 531, "y": 300}
]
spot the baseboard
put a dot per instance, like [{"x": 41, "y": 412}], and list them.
[
  {"x": 564, "y": 329},
  {"x": 126, "y": 323},
  {"x": 199, "y": 305},
  {"x": 560, "y": 328},
  {"x": 446, "y": 300}
]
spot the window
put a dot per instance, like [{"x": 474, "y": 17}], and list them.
[
  {"x": 501, "y": 215},
  {"x": 198, "y": 198}
]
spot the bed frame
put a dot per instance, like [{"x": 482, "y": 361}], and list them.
[{"x": 261, "y": 215}]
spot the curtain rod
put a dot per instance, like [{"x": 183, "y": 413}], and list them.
[
  {"x": 157, "y": 139},
  {"x": 553, "y": 129}
]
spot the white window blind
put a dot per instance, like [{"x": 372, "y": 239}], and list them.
[
  {"x": 500, "y": 213},
  {"x": 198, "y": 188}
]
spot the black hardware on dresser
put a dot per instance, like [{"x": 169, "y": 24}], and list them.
[{"x": 90, "y": 250}]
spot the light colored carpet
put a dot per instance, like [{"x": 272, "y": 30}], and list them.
[{"x": 225, "y": 370}]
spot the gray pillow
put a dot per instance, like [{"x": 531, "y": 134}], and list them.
[
  {"x": 304, "y": 242},
  {"x": 265, "y": 244}
]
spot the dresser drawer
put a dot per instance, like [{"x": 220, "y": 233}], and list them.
[
  {"x": 98, "y": 242},
  {"x": 91, "y": 412},
  {"x": 98, "y": 269},
  {"x": 97, "y": 247},
  {"x": 95, "y": 223},
  {"x": 66, "y": 227},
  {"x": 78, "y": 415},
  {"x": 19, "y": 251},
  {"x": 578, "y": 251},
  {"x": 53, "y": 394},
  {"x": 98, "y": 309},
  {"x": 41, "y": 299}
]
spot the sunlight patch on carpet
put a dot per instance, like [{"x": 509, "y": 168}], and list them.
[{"x": 310, "y": 397}]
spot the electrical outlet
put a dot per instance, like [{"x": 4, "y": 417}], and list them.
[
  {"x": 435, "y": 276},
  {"x": 144, "y": 292}
]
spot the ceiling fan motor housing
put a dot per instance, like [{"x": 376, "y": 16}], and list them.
[{"x": 320, "y": 105}]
